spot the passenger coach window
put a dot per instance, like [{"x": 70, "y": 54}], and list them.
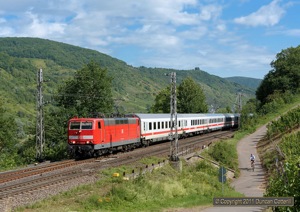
[
  {"x": 99, "y": 125},
  {"x": 158, "y": 125},
  {"x": 162, "y": 125},
  {"x": 154, "y": 125},
  {"x": 150, "y": 125}
]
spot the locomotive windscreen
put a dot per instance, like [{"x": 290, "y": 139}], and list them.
[
  {"x": 86, "y": 125},
  {"x": 74, "y": 125},
  {"x": 81, "y": 125}
]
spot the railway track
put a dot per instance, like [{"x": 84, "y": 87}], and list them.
[
  {"x": 40, "y": 178},
  {"x": 36, "y": 170}
]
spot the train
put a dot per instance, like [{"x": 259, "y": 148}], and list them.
[{"x": 93, "y": 137}]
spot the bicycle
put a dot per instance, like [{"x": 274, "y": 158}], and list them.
[{"x": 252, "y": 165}]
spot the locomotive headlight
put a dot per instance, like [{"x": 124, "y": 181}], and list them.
[
  {"x": 87, "y": 142},
  {"x": 73, "y": 142}
]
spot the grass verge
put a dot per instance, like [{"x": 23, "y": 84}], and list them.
[{"x": 196, "y": 185}]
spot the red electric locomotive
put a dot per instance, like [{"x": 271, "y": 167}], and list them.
[
  {"x": 89, "y": 137},
  {"x": 96, "y": 136}
]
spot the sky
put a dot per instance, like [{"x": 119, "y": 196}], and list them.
[{"x": 222, "y": 37}]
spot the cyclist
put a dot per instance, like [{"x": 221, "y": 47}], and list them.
[{"x": 252, "y": 159}]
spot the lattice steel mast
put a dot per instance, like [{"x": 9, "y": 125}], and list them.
[
  {"x": 40, "y": 136},
  {"x": 173, "y": 111},
  {"x": 238, "y": 103}
]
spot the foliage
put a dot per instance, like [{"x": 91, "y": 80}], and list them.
[
  {"x": 9, "y": 161},
  {"x": 8, "y": 134},
  {"x": 246, "y": 81},
  {"x": 284, "y": 180},
  {"x": 63, "y": 54},
  {"x": 191, "y": 98},
  {"x": 56, "y": 134},
  {"x": 224, "y": 110},
  {"x": 249, "y": 115},
  {"x": 224, "y": 152},
  {"x": 162, "y": 101},
  {"x": 284, "y": 77},
  {"x": 285, "y": 123},
  {"x": 27, "y": 151},
  {"x": 286, "y": 183},
  {"x": 275, "y": 101},
  {"x": 89, "y": 92},
  {"x": 290, "y": 145},
  {"x": 7, "y": 129},
  {"x": 135, "y": 88}
]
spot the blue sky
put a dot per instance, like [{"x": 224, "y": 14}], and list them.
[{"x": 222, "y": 37}]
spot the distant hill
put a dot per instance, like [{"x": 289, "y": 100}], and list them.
[
  {"x": 246, "y": 81},
  {"x": 134, "y": 88}
]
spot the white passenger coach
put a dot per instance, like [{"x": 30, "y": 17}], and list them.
[{"x": 157, "y": 127}]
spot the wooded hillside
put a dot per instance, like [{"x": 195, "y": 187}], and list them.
[{"x": 134, "y": 89}]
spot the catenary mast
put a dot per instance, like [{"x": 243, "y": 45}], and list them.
[{"x": 40, "y": 136}]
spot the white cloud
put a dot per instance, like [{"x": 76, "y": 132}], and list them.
[
  {"x": 194, "y": 33},
  {"x": 293, "y": 32},
  {"x": 267, "y": 15},
  {"x": 210, "y": 12},
  {"x": 42, "y": 28},
  {"x": 246, "y": 61},
  {"x": 6, "y": 31}
]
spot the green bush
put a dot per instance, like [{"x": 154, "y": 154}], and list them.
[
  {"x": 224, "y": 152},
  {"x": 286, "y": 183},
  {"x": 290, "y": 145}
]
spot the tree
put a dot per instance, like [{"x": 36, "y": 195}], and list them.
[
  {"x": 162, "y": 102},
  {"x": 90, "y": 91},
  {"x": 8, "y": 134},
  {"x": 55, "y": 146},
  {"x": 284, "y": 77},
  {"x": 224, "y": 110},
  {"x": 248, "y": 115},
  {"x": 191, "y": 98},
  {"x": 7, "y": 129},
  {"x": 56, "y": 136}
]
